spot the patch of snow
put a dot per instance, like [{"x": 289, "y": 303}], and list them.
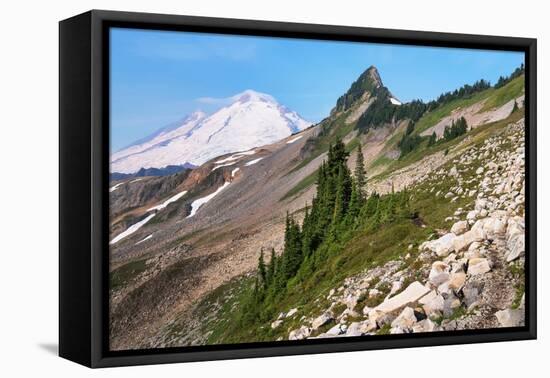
[
  {"x": 168, "y": 201},
  {"x": 395, "y": 101},
  {"x": 234, "y": 172},
  {"x": 223, "y": 165},
  {"x": 136, "y": 180},
  {"x": 230, "y": 158},
  {"x": 144, "y": 239},
  {"x": 252, "y": 162},
  {"x": 236, "y": 156},
  {"x": 243, "y": 153},
  {"x": 112, "y": 189},
  {"x": 201, "y": 201},
  {"x": 294, "y": 139},
  {"x": 130, "y": 230}
]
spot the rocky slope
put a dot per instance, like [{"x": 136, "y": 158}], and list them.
[{"x": 468, "y": 277}]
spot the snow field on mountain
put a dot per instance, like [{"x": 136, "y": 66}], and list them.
[
  {"x": 253, "y": 119},
  {"x": 201, "y": 201}
]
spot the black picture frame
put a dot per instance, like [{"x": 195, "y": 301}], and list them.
[{"x": 84, "y": 172}]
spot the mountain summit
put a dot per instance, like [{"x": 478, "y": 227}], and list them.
[
  {"x": 251, "y": 96},
  {"x": 252, "y": 119},
  {"x": 367, "y": 85}
]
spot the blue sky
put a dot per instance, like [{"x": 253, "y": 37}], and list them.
[{"x": 158, "y": 77}]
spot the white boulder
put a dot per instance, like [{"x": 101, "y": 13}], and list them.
[
  {"x": 291, "y": 312},
  {"x": 411, "y": 294},
  {"x": 459, "y": 227},
  {"x": 462, "y": 242},
  {"x": 405, "y": 320},
  {"x": 276, "y": 324},
  {"x": 457, "y": 280},
  {"x": 442, "y": 246},
  {"x": 478, "y": 265}
]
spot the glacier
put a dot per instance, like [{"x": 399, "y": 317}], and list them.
[{"x": 253, "y": 119}]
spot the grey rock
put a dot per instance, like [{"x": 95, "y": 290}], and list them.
[
  {"x": 336, "y": 330},
  {"x": 515, "y": 247},
  {"x": 450, "y": 304},
  {"x": 471, "y": 293},
  {"x": 511, "y": 318},
  {"x": 354, "y": 329},
  {"x": 300, "y": 333},
  {"x": 439, "y": 273},
  {"x": 321, "y": 320},
  {"x": 434, "y": 304},
  {"x": 425, "y": 325}
]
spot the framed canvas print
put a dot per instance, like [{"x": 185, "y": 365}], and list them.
[{"x": 233, "y": 188}]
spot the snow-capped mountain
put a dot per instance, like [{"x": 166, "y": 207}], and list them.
[{"x": 253, "y": 119}]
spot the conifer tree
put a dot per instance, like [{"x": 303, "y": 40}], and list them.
[
  {"x": 355, "y": 205},
  {"x": 410, "y": 128},
  {"x": 360, "y": 172},
  {"x": 270, "y": 273},
  {"x": 292, "y": 253},
  {"x": 262, "y": 269},
  {"x": 339, "y": 203},
  {"x": 432, "y": 140}
]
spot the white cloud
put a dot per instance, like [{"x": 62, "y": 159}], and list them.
[{"x": 215, "y": 101}]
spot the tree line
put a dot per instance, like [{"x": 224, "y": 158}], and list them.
[
  {"x": 339, "y": 208},
  {"x": 410, "y": 142},
  {"x": 382, "y": 111},
  {"x": 503, "y": 80}
]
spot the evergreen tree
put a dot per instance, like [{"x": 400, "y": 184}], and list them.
[
  {"x": 355, "y": 205},
  {"x": 457, "y": 128},
  {"x": 340, "y": 201},
  {"x": 408, "y": 143},
  {"x": 270, "y": 273},
  {"x": 262, "y": 269},
  {"x": 292, "y": 253},
  {"x": 360, "y": 172},
  {"x": 432, "y": 140},
  {"x": 410, "y": 128},
  {"x": 447, "y": 133},
  {"x": 515, "y": 107}
]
